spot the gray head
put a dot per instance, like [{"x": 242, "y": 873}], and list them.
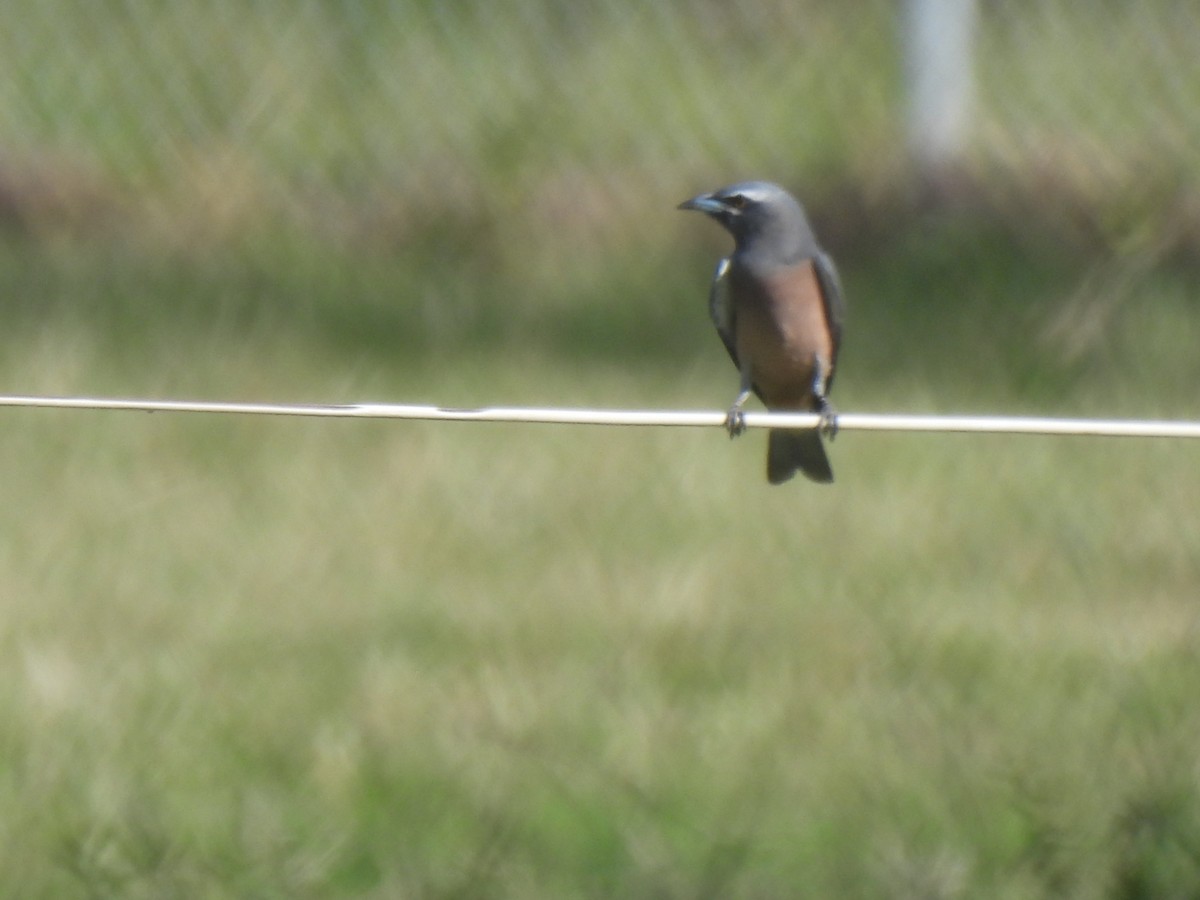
[{"x": 763, "y": 218}]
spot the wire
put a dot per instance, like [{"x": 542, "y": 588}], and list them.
[{"x": 685, "y": 418}]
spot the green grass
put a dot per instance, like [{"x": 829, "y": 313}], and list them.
[
  {"x": 265, "y": 657},
  {"x": 282, "y": 657}
]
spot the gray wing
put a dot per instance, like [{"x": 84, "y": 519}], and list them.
[
  {"x": 835, "y": 305},
  {"x": 720, "y": 309}
]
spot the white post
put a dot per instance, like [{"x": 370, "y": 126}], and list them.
[{"x": 938, "y": 52}]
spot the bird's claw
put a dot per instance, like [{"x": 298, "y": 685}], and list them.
[
  {"x": 828, "y": 423},
  {"x": 735, "y": 421}
]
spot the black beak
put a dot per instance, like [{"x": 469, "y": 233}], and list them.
[{"x": 705, "y": 203}]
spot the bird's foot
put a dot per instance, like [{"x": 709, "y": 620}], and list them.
[
  {"x": 828, "y": 423},
  {"x": 735, "y": 421}
]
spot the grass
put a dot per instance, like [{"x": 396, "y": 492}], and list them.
[
  {"x": 274, "y": 657},
  {"x": 249, "y": 656}
]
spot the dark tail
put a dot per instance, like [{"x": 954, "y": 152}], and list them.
[{"x": 788, "y": 451}]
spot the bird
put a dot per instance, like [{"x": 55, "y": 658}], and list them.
[{"x": 777, "y": 305}]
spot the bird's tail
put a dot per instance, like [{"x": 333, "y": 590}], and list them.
[{"x": 789, "y": 451}]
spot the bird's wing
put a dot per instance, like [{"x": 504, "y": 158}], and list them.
[
  {"x": 835, "y": 305},
  {"x": 720, "y": 309}
]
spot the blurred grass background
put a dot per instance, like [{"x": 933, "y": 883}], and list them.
[{"x": 263, "y": 657}]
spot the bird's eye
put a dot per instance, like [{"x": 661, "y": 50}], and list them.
[{"x": 737, "y": 201}]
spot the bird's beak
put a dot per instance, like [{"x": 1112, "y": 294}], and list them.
[{"x": 706, "y": 203}]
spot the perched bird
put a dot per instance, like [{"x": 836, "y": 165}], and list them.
[{"x": 776, "y": 302}]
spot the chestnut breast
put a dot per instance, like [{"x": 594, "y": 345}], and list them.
[{"x": 780, "y": 329}]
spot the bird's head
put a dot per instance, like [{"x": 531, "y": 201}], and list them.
[{"x": 755, "y": 210}]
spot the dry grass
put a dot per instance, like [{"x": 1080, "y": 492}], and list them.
[{"x": 263, "y": 656}]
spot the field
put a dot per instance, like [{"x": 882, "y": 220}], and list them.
[{"x": 254, "y": 657}]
